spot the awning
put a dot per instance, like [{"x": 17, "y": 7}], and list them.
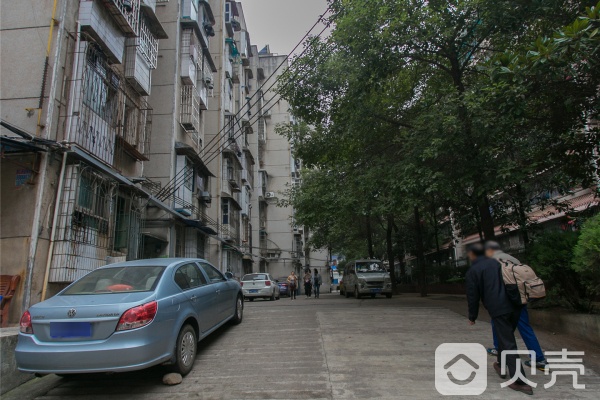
[
  {"x": 15, "y": 145},
  {"x": 184, "y": 149},
  {"x": 233, "y": 248},
  {"x": 194, "y": 223},
  {"x": 153, "y": 23},
  {"x": 155, "y": 237},
  {"x": 579, "y": 201}
]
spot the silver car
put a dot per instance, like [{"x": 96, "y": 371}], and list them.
[
  {"x": 366, "y": 278},
  {"x": 260, "y": 285},
  {"x": 129, "y": 316}
]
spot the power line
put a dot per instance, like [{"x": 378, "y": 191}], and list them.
[
  {"x": 320, "y": 19},
  {"x": 258, "y": 115}
]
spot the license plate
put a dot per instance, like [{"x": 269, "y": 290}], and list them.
[
  {"x": 70, "y": 329},
  {"x": 253, "y": 290},
  {"x": 375, "y": 290}
]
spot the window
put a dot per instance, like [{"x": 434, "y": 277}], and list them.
[
  {"x": 100, "y": 86},
  {"x": 94, "y": 203},
  {"x": 213, "y": 274},
  {"x": 188, "y": 276},
  {"x": 116, "y": 280},
  {"x": 225, "y": 211}
]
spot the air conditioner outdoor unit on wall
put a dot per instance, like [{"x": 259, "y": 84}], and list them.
[
  {"x": 270, "y": 195},
  {"x": 205, "y": 197}
]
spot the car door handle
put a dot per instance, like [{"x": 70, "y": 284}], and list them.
[
  {"x": 218, "y": 291},
  {"x": 194, "y": 298}
]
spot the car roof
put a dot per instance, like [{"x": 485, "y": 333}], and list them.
[
  {"x": 367, "y": 260},
  {"x": 154, "y": 262}
]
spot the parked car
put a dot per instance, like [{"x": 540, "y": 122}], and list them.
[
  {"x": 260, "y": 285},
  {"x": 129, "y": 316},
  {"x": 284, "y": 286},
  {"x": 366, "y": 278}
]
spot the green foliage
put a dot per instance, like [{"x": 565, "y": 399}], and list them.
[
  {"x": 586, "y": 259},
  {"x": 552, "y": 259},
  {"x": 474, "y": 106}
]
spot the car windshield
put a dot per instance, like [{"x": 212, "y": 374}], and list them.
[
  {"x": 255, "y": 277},
  {"x": 369, "y": 267},
  {"x": 116, "y": 280}
]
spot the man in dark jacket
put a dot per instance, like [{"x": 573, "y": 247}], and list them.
[{"x": 484, "y": 283}]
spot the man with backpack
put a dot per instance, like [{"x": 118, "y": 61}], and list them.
[
  {"x": 493, "y": 250},
  {"x": 484, "y": 283}
]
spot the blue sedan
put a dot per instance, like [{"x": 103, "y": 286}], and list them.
[{"x": 129, "y": 316}]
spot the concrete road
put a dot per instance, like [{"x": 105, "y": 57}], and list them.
[{"x": 328, "y": 348}]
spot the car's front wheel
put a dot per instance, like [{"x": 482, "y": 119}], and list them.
[
  {"x": 389, "y": 295},
  {"x": 185, "y": 350},
  {"x": 356, "y": 293},
  {"x": 239, "y": 311}
]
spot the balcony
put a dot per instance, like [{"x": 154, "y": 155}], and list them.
[
  {"x": 141, "y": 58},
  {"x": 189, "y": 115},
  {"x": 198, "y": 15},
  {"x": 247, "y": 178},
  {"x": 126, "y": 14},
  {"x": 229, "y": 69},
  {"x": 234, "y": 177},
  {"x": 262, "y": 134},
  {"x": 133, "y": 135}
]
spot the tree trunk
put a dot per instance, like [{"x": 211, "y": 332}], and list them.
[
  {"x": 370, "y": 238},
  {"x": 434, "y": 223},
  {"x": 420, "y": 254},
  {"x": 390, "y": 249},
  {"x": 522, "y": 214},
  {"x": 401, "y": 252},
  {"x": 487, "y": 221}
]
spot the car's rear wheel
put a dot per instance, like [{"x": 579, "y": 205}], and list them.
[
  {"x": 239, "y": 311},
  {"x": 346, "y": 293},
  {"x": 272, "y": 298},
  {"x": 185, "y": 350},
  {"x": 389, "y": 296},
  {"x": 373, "y": 295},
  {"x": 356, "y": 293}
]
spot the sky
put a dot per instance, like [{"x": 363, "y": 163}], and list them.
[{"x": 281, "y": 23}]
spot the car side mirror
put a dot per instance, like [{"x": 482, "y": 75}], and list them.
[{"x": 228, "y": 275}]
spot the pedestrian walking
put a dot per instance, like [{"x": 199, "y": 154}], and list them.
[
  {"x": 292, "y": 281},
  {"x": 317, "y": 282},
  {"x": 307, "y": 283},
  {"x": 493, "y": 250},
  {"x": 484, "y": 283}
]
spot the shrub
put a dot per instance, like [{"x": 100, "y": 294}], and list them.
[
  {"x": 552, "y": 258},
  {"x": 586, "y": 259}
]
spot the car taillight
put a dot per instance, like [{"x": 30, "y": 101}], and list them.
[
  {"x": 25, "y": 326},
  {"x": 241, "y": 283},
  {"x": 268, "y": 283},
  {"x": 137, "y": 317}
]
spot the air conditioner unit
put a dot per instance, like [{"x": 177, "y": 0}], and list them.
[
  {"x": 208, "y": 81},
  {"x": 205, "y": 197},
  {"x": 270, "y": 195}
]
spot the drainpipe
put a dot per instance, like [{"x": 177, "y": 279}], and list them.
[
  {"x": 37, "y": 216},
  {"x": 59, "y": 191}
]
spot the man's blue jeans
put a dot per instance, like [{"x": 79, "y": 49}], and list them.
[{"x": 527, "y": 334}]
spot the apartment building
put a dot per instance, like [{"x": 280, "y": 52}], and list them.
[
  {"x": 281, "y": 242},
  {"x": 230, "y": 152},
  {"x": 75, "y": 134},
  {"x": 176, "y": 173}
]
